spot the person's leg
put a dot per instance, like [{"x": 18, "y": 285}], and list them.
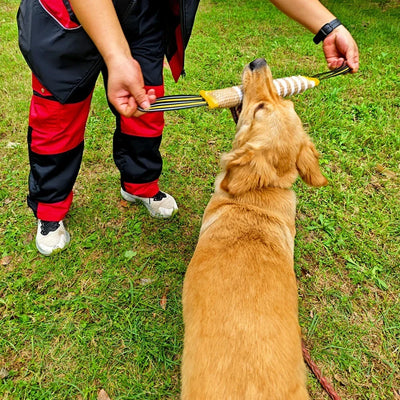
[
  {"x": 55, "y": 144},
  {"x": 136, "y": 150},
  {"x": 137, "y": 140}
]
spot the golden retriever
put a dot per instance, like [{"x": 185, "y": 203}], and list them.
[{"x": 242, "y": 336}]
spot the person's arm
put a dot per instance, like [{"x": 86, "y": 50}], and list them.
[
  {"x": 339, "y": 46},
  {"x": 125, "y": 80}
]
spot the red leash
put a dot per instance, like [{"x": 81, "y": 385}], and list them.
[{"x": 326, "y": 385}]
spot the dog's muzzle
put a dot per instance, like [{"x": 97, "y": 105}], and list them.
[{"x": 257, "y": 63}]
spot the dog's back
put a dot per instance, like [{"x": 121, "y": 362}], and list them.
[{"x": 242, "y": 338}]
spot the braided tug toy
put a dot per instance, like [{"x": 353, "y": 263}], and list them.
[{"x": 232, "y": 97}]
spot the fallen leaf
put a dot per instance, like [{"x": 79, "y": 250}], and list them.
[
  {"x": 129, "y": 254},
  {"x": 163, "y": 301},
  {"x": 103, "y": 395},
  {"x": 6, "y": 260},
  {"x": 384, "y": 171},
  {"x": 12, "y": 145},
  {"x": 146, "y": 281},
  {"x": 4, "y": 373},
  {"x": 123, "y": 203},
  {"x": 28, "y": 238}
]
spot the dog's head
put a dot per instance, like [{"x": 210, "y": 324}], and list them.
[{"x": 270, "y": 148}]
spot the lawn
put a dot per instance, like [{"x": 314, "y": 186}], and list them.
[{"x": 106, "y": 313}]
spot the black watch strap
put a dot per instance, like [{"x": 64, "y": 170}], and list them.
[{"x": 326, "y": 30}]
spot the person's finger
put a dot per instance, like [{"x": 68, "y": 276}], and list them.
[
  {"x": 126, "y": 109},
  {"x": 336, "y": 63},
  {"x": 352, "y": 60},
  {"x": 139, "y": 94},
  {"x": 151, "y": 93}
]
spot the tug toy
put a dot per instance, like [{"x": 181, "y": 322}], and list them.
[{"x": 233, "y": 96}]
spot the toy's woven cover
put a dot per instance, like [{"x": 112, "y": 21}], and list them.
[{"x": 233, "y": 96}]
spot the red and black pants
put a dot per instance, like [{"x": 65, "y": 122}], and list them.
[{"x": 56, "y": 131}]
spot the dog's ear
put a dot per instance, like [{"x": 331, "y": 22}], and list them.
[
  {"x": 247, "y": 171},
  {"x": 224, "y": 185},
  {"x": 308, "y": 166},
  {"x": 237, "y": 170}
]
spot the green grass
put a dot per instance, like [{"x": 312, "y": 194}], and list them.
[{"x": 91, "y": 317}]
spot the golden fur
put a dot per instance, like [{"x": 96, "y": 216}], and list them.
[{"x": 242, "y": 336}]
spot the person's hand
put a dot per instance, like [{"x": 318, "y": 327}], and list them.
[
  {"x": 340, "y": 48},
  {"x": 126, "y": 87}
]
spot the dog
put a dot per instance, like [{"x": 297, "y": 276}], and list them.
[{"x": 242, "y": 337}]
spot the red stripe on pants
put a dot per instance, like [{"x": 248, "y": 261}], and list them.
[
  {"x": 54, "y": 211},
  {"x": 56, "y": 127},
  {"x": 142, "y": 189},
  {"x": 147, "y": 125}
]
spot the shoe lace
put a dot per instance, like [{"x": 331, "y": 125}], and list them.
[
  {"x": 159, "y": 196},
  {"x": 48, "y": 226}
]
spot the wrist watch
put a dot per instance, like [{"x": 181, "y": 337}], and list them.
[{"x": 326, "y": 30}]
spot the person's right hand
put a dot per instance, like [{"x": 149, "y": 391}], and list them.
[
  {"x": 339, "y": 48},
  {"x": 126, "y": 87}
]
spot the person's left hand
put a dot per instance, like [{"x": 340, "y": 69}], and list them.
[{"x": 340, "y": 48}]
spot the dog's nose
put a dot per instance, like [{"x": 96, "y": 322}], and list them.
[{"x": 257, "y": 63}]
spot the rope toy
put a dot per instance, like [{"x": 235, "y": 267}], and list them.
[{"x": 232, "y": 97}]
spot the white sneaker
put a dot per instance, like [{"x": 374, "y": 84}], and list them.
[
  {"x": 51, "y": 237},
  {"x": 162, "y": 205}
]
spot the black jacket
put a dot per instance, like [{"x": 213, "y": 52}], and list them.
[{"x": 63, "y": 57}]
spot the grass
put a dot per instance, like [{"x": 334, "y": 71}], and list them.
[{"x": 95, "y": 315}]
